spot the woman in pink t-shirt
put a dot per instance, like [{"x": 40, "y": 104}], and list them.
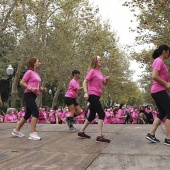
[
  {"x": 108, "y": 117},
  {"x": 53, "y": 117},
  {"x": 135, "y": 115},
  {"x": 95, "y": 80},
  {"x": 21, "y": 113},
  {"x": 121, "y": 114},
  {"x": 70, "y": 100},
  {"x": 31, "y": 82},
  {"x": 60, "y": 113},
  {"x": 160, "y": 86}
]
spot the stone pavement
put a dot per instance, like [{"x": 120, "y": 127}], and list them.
[{"x": 60, "y": 149}]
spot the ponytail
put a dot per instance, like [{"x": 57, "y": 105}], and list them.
[{"x": 159, "y": 51}]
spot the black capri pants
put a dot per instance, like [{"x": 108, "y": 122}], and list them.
[
  {"x": 69, "y": 101},
  {"x": 31, "y": 106},
  {"x": 162, "y": 101},
  {"x": 95, "y": 107}
]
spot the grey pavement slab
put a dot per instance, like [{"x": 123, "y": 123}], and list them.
[{"x": 61, "y": 149}]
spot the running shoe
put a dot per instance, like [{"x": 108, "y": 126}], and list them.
[
  {"x": 151, "y": 138},
  {"x": 102, "y": 139},
  {"x": 167, "y": 141},
  {"x": 34, "y": 136},
  {"x": 83, "y": 135},
  {"x": 17, "y": 133}
]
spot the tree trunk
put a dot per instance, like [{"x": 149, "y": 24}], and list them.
[
  {"x": 56, "y": 94},
  {"x": 39, "y": 100},
  {"x": 15, "y": 83}
]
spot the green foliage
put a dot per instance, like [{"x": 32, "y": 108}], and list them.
[{"x": 64, "y": 35}]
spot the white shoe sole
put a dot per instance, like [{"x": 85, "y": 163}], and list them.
[
  {"x": 16, "y": 135},
  {"x": 150, "y": 139},
  {"x": 31, "y": 138},
  {"x": 167, "y": 144}
]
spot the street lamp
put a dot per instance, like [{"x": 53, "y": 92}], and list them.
[
  {"x": 50, "y": 91},
  {"x": 10, "y": 72}
]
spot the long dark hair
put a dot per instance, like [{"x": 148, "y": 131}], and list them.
[
  {"x": 159, "y": 51},
  {"x": 120, "y": 107}
]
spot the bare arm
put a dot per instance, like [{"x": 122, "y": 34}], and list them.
[
  {"x": 80, "y": 88},
  {"x": 156, "y": 77},
  {"x": 107, "y": 80},
  {"x": 86, "y": 96},
  {"x": 25, "y": 85}
]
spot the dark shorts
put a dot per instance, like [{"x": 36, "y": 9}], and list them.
[
  {"x": 162, "y": 101},
  {"x": 69, "y": 101}
]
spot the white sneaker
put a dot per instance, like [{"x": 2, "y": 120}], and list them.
[
  {"x": 34, "y": 136},
  {"x": 17, "y": 133}
]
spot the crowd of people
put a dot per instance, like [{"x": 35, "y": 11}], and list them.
[{"x": 121, "y": 114}]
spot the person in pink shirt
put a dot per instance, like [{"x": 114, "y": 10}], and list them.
[
  {"x": 155, "y": 113},
  {"x": 135, "y": 115},
  {"x": 159, "y": 89},
  {"x": 114, "y": 115},
  {"x": 21, "y": 113},
  {"x": 80, "y": 119},
  {"x": 95, "y": 81},
  {"x": 70, "y": 99},
  {"x": 42, "y": 116},
  {"x": 60, "y": 113},
  {"x": 108, "y": 117},
  {"x": 2, "y": 115},
  {"x": 53, "y": 117},
  {"x": 10, "y": 116},
  {"x": 66, "y": 113},
  {"x": 121, "y": 114},
  {"x": 31, "y": 81}
]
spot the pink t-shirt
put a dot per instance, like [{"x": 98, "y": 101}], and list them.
[
  {"x": 1, "y": 118},
  {"x": 80, "y": 119},
  {"x": 33, "y": 80},
  {"x": 95, "y": 80},
  {"x": 52, "y": 117},
  {"x": 159, "y": 65},
  {"x": 60, "y": 114},
  {"x": 135, "y": 116},
  {"x": 108, "y": 117},
  {"x": 42, "y": 117},
  {"x": 20, "y": 114},
  {"x": 72, "y": 89},
  {"x": 120, "y": 113},
  {"x": 9, "y": 118}
]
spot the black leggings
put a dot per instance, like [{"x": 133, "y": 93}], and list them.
[
  {"x": 31, "y": 106},
  {"x": 95, "y": 107},
  {"x": 162, "y": 101}
]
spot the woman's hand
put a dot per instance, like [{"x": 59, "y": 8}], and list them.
[
  {"x": 33, "y": 89},
  {"x": 43, "y": 89}
]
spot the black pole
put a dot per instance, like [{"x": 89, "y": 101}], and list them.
[{"x": 10, "y": 90}]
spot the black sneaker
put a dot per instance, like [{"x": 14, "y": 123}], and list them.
[
  {"x": 167, "y": 141},
  {"x": 83, "y": 135},
  {"x": 102, "y": 139},
  {"x": 151, "y": 138}
]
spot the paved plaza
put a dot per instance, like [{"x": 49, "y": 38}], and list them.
[{"x": 61, "y": 149}]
